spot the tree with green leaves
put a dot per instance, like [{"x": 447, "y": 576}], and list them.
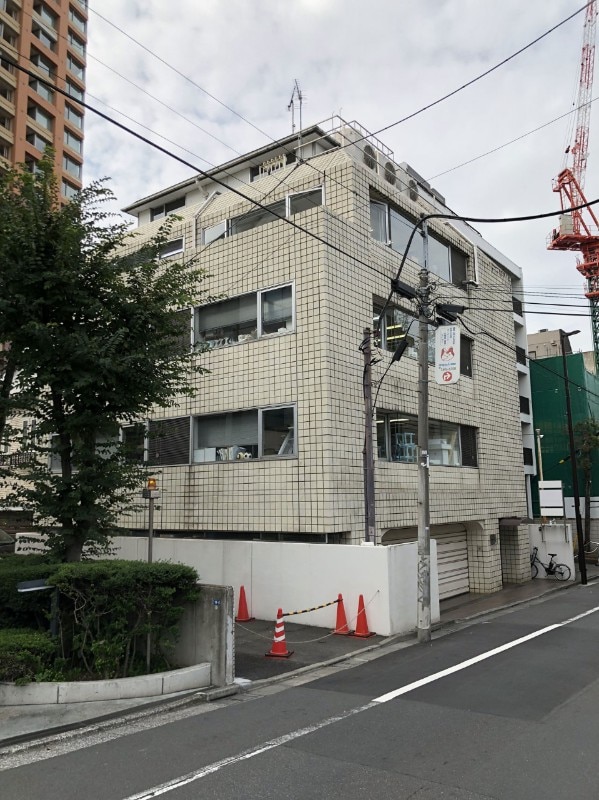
[
  {"x": 93, "y": 343},
  {"x": 587, "y": 444}
]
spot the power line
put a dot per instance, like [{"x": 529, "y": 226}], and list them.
[
  {"x": 288, "y": 221},
  {"x": 506, "y": 144},
  {"x": 476, "y": 79}
]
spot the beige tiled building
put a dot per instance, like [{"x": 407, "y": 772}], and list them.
[
  {"x": 270, "y": 445},
  {"x": 48, "y": 38}
]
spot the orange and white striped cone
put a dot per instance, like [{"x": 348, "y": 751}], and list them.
[
  {"x": 279, "y": 645},
  {"x": 341, "y": 626}
]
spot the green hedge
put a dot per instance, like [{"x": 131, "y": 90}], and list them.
[
  {"x": 29, "y": 609},
  {"x": 24, "y": 653},
  {"x": 107, "y": 609}
]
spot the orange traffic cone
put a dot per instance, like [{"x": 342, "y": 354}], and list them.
[
  {"x": 243, "y": 615},
  {"x": 279, "y": 645},
  {"x": 361, "y": 623},
  {"x": 341, "y": 627}
]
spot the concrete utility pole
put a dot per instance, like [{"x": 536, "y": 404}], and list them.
[
  {"x": 368, "y": 452},
  {"x": 424, "y": 534},
  {"x": 582, "y": 564}
]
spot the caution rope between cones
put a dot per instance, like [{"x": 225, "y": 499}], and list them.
[{"x": 305, "y": 610}]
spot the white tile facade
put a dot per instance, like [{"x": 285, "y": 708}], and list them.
[{"x": 318, "y": 368}]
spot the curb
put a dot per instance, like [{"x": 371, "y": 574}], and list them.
[{"x": 220, "y": 692}]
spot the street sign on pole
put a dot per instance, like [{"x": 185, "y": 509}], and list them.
[{"x": 447, "y": 354}]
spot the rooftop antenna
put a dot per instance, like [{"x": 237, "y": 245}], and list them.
[{"x": 296, "y": 97}]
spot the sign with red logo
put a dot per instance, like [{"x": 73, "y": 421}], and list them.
[{"x": 447, "y": 354}]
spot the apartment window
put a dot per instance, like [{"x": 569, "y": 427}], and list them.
[
  {"x": 241, "y": 435},
  {"x": 42, "y": 63},
  {"x": 45, "y": 14},
  {"x": 157, "y": 212},
  {"x": 8, "y": 35},
  {"x": 517, "y": 306},
  {"x": 133, "y": 438},
  {"x": 524, "y": 405},
  {"x": 244, "y": 318},
  {"x": 6, "y": 91},
  {"x": 395, "y": 325},
  {"x": 36, "y": 140},
  {"x": 73, "y": 116},
  {"x": 9, "y": 8},
  {"x": 41, "y": 117},
  {"x": 72, "y": 167},
  {"x": 41, "y": 89},
  {"x": 521, "y": 355},
  {"x": 72, "y": 141},
  {"x": 77, "y": 21},
  {"x": 82, "y": 4},
  {"x": 77, "y": 45},
  {"x": 10, "y": 68},
  {"x": 43, "y": 36},
  {"x": 466, "y": 356},
  {"x": 527, "y": 456},
  {"x": 5, "y": 151},
  {"x": 449, "y": 444},
  {"x": 5, "y": 122},
  {"x": 75, "y": 67},
  {"x": 73, "y": 90},
  {"x": 171, "y": 248},
  {"x": 68, "y": 190},
  {"x": 168, "y": 441},
  {"x": 393, "y": 227},
  {"x": 294, "y": 203}
]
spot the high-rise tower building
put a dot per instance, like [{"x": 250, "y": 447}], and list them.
[{"x": 47, "y": 37}]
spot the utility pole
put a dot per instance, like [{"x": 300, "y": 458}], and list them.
[
  {"x": 150, "y": 493},
  {"x": 582, "y": 565},
  {"x": 368, "y": 452},
  {"x": 424, "y": 534}
]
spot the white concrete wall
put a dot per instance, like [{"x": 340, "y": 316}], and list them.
[
  {"x": 553, "y": 539},
  {"x": 297, "y": 576}
]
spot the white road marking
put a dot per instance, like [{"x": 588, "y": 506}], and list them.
[
  {"x": 384, "y": 698},
  {"x": 177, "y": 783},
  {"x": 184, "y": 780}
]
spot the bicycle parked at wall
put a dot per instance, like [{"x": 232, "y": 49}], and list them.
[
  {"x": 592, "y": 549},
  {"x": 560, "y": 571}
]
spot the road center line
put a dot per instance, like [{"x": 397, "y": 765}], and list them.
[{"x": 183, "y": 780}]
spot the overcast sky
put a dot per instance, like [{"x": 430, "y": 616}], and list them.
[{"x": 374, "y": 62}]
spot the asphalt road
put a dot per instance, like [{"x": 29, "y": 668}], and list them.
[{"x": 505, "y": 708}]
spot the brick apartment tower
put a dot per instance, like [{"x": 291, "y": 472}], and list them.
[{"x": 48, "y": 38}]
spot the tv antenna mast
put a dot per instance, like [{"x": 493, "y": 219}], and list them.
[{"x": 297, "y": 99}]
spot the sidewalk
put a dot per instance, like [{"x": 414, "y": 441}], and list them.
[{"x": 312, "y": 648}]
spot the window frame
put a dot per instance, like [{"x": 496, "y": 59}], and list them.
[
  {"x": 412, "y": 350},
  {"x": 227, "y": 225},
  {"x": 456, "y": 257},
  {"x": 383, "y": 416},
  {"x": 170, "y": 253},
  {"x": 260, "y": 412},
  {"x": 163, "y": 210},
  {"x": 260, "y": 334}
]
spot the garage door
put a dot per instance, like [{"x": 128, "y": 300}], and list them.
[{"x": 452, "y": 556}]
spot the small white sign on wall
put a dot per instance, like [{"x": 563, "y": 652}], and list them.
[{"x": 447, "y": 354}]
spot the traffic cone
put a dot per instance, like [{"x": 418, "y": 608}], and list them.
[
  {"x": 361, "y": 623},
  {"x": 279, "y": 645},
  {"x": 341, "y": 627},
  {"x": 243, "y": 615}
]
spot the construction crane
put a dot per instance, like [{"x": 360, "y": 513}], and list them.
[{"x": 579, "y": 230}]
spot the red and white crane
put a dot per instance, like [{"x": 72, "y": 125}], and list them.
[{"x": 579, "y": 230}]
